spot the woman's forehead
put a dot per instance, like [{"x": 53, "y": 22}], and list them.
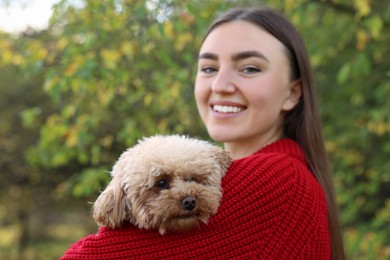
[{"x": 241, "y": 36}]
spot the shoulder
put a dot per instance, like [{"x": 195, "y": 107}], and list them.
[
  {"x": 277, "y": 187},
  {"x": 282, "y": 161},
  {"x": 279, "y": 176}
]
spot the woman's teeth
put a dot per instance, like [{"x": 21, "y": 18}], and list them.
[{"x": 226, "y": 109}]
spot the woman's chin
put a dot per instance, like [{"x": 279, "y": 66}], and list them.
[{"x": 219, "y": 136}]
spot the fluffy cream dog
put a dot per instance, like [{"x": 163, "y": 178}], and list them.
[{"x": 164, "y": 182}]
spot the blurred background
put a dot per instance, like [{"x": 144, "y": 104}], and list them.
[{"x": 81, "y": 86}]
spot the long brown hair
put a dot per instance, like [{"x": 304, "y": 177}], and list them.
[{"x": 303, "y": 123}]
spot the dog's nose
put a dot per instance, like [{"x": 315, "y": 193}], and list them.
[{"x": 189, "y": 203}]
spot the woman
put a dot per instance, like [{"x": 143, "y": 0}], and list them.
[
  {"x": 255, "y": 93},
  {"x": 255, "y": 87}
]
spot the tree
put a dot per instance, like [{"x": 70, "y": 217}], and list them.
[
  {"x": 348, "y": 42},
  {"x": 23, "y": 188}
]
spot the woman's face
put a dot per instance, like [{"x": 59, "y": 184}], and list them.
[{"x": 243, "y": 88}]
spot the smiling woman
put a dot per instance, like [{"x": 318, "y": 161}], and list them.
[{"x": 243, "y": 88}]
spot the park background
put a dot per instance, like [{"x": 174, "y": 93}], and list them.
[{"x": 75, "y": 95}]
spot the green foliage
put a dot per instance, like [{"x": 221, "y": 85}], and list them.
[
  {"x": 103, "y": 76},
  {"x": 354, "y": 89},
  {"x": 106, "y": 73}
]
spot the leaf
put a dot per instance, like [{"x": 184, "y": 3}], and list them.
[
  {"x": 29, "y": 116},
  {"x": 168, "y": 29},
  {"x": 344, "y": 73},
  {"x": 110, "y": 57},
  {"x": 362, "y": 39},
  {"x": 362, "y": 65},
  {"x": 90, "y": 181},
  {"x": 375, "y": 25},
  {"x": 363, "y": 7},
  {"x": 72, "y": 137}
]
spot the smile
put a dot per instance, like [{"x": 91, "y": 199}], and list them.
[{"x": 227, "y": 109}]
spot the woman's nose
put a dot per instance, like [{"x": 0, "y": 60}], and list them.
[{"x": 223, "y": 82}]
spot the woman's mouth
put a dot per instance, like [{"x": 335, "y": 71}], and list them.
[{"x": 227, "y": 109}]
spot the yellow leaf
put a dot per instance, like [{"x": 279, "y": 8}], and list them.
[
  {"x": 137, "y": 82},
  {"x": 70, "y": 70},
  {"x": 331, "y": 146},
  {"x": 36, "y": 50},
  {"x": 105, "y": 96},
  {"x": 376, "y": 25},
  {"x": 363, "y": 7},
  {"x": 162, "y": 125},
  {"x": 357, "y": 99},
  {"x": 290, "y": 4},
  {"x": 353, "y": 157},
  {"x": 182, "y": 40},
  {"x": 147, "y": 48},
  {"x": 69, "y": 111},
  {"x": 5, "y": 52},
  {"x": 41, "y": 54},
  {"x": 378, "y": 128},
  {"x": 62, "y": 43},
  {"x": 148, "y": 99},
  {"x": 110, "y": 57},
  {"x": 17, "y": 59},
  {"x": 6, "y": 56},
  {"x": 72, "y": 137},
  {"x": 127, "y": 49},
  {"x": 175, "y": 90},
  {"x": 49, "y": 84},
  {"x": 107, "y": 141},
  {"x": 8, "y": 234},
  {"x": 362, "y": 39},
  {"x": 168, "y": 29},
  {"x": 4, "y": 44}
]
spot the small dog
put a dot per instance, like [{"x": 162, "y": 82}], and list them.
[{"x": 164, "y": 182}]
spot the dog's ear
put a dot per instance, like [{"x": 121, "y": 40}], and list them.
[
  {"x": 112, "y": 208},
  {"x": 223, "y": 158}
]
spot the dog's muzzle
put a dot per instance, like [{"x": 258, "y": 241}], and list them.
[{"x": 189, "y": 203}]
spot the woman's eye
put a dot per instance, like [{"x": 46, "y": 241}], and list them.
[
  {"x": 250, "y": 70},
  {"x": 162, "y": 184},
  {"x": 208, "y": 70}
]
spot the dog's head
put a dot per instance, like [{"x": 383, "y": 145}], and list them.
[{"x": 165, "y": 182}]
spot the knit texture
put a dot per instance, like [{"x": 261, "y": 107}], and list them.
[{"x": 272, "y": 208}]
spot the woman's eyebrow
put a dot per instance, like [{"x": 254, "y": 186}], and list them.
[
  {"x": 248, "y": 54},
  {"x": 208, "y": 55},
  {"x": 236, "y": 57}
]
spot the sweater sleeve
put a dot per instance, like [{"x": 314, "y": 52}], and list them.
[{"x": 290, "y": 206}]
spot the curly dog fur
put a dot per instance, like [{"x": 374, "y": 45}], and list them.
[{"x": 164, "y": 182}]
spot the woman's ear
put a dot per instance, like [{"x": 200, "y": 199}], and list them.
[
  {"x": 294, "y": 95},
  {"x": 111, "y": 208}
]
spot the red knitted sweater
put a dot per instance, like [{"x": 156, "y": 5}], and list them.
[{"x": 272, "y": 208}]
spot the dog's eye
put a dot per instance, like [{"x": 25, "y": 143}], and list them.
[
  {"x": 162, "y": 184},
  {"x": 190, "y": 180}
]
